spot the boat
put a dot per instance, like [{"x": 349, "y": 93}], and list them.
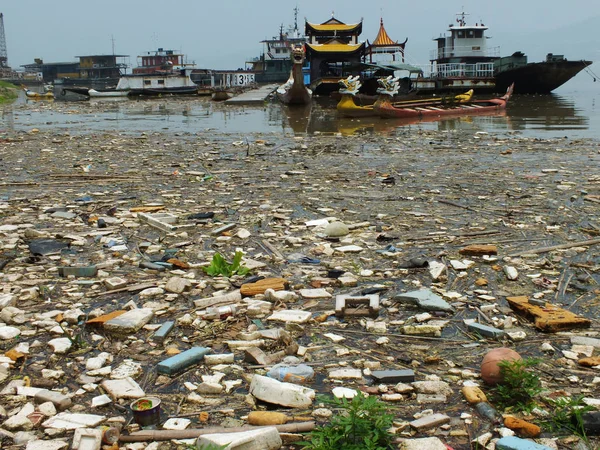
[
  {"x": 220, "y": 94},
  {"x": 535, "y": 78},
  {"x": 350, "y": 86},
  {"x": 462, "y": 60},
  {"x": 38, "y": 95},
  {"x": 93, "y": 93},
  {"x": 293, "y": 91},
  {"x": 153, "y": 84},
  {"x": 334, "y": 52},
  {"x": 162, "y": 61},
  {"x": 450, "y": 107},
  {"x": 274, "y": 63}
]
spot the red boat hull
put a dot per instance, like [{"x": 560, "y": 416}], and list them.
[{"x": 432, "y": 110}]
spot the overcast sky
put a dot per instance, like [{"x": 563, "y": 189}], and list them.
[{"x": 224, "y": 34}]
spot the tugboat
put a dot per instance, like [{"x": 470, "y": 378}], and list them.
[{"x": 462, "y": 60}]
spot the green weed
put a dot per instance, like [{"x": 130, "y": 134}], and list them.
[
  {"x": 567, "y": 415},
  {"x": 363, "y": 424},
  {"x": 519, "y": 385},
  {"x": 219, "y": 266}
]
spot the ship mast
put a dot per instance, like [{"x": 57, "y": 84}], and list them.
[{"x": 461, "y": 19}]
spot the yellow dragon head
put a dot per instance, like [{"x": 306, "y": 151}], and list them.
[
  {"x": 388, "y": 86},
  {"x": 350, "y": 85}
]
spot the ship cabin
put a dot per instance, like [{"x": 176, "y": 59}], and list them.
[
  {"x": 52, "y": 71},
  {"x": 161, "y": 61},
  {"x": 102, "y": 66},
  {"x": 333, "y": 52},
  {"x": 275, "y": 63},
  {"x": 463, "y": 53}
]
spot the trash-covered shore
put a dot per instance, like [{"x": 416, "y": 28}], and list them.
[{"x": 217, "y": 275}]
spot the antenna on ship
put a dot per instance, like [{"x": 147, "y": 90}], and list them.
[
  {"x": 112, "y": 40},
  {"x": 461, "y": 19},
  {"x": 296, "y": 18}
]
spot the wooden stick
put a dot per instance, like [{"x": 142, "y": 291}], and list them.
[
  {"x": 556, "y": 247},
  {"x": 165, "y": 435}
]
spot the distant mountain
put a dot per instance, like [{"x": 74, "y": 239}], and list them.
[{"x": 576, "y": 41}]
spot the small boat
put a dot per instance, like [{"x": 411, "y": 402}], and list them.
[
  {"x": 176, "y": 82},
  {"x": 347, "y": 105},
  {"x": 37, "y": 95},
  {"x": 293, "y": 91},
  {"x": 220, "y": 94},
  {"x": 450, "y": 107},
  {"x": 109, "y": 93}
]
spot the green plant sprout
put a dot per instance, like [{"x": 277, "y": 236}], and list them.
[
  {"x": 219, "y": 266},
  {"x": 363, "y": 424},
  {"x": 567, "y": 415},
  {"x": 519, "y": 386}
]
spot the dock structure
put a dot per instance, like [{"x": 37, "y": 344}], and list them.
[{"x": 254, "y": 96}]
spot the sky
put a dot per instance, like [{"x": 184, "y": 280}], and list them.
[{"x": 224, "y": 34}]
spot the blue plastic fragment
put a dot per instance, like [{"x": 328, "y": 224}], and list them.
[
  {"x": 388, "y": 249},
  {"x": 182, "y": 361},
  {"x": 163, "y": 331},
  {"x": 485, "y": 330},
  {"x": 515, "y": 443}
]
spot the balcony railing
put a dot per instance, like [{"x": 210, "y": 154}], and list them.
[
  {"x": 479, "y": 70},
  {"x": 466, "y": 51}
]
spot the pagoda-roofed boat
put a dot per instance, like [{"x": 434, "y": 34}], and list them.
[{"x": 450, "y": 107}]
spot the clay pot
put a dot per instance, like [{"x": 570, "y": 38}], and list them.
[{"x": 490, "y": 371}]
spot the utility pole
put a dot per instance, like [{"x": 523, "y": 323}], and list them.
[{"x": 3, "y": 54}]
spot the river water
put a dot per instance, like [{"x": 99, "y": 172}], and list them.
[{"x": 572, "y": 111}]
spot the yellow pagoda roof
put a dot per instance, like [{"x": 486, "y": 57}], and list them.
[
  {"x": 382, "y": 37},
  {"x": 335, "y": 48},
  {"x": 333, "y": 26}
]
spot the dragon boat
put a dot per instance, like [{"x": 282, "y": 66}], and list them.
[
  {"x": 350, "y": 86},
  {"x": 37, "y": 95},
  {"x": 449, "y": 107},
  {"x": 293, "y": 91}
]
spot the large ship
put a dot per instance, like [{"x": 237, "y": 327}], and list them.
[
  {"x": 275, "y": 62},
  {"x": 462, "y": 60}
]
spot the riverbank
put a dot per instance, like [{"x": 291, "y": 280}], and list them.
[
  {"x": 8, "y": 92},
  {"x": 411, "y": 201}
]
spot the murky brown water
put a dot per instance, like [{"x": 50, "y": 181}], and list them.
[{"x": 575, "y": 113}]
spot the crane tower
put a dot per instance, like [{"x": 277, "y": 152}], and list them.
[{"x": 3, "y": 54}]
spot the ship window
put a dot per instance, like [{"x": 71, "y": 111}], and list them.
[
  {"x": 460, "y": 34},
  {"x": 470, "y": 33},
  {"x": 161, "y": 81},
  {"x": 147, "y": 82},
  {"x": 277, "y": 50}
]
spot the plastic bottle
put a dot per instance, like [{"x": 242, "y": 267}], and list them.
[
  {"x": 486, "y": 410},
  {"x": 221, "y": 312},
  {"x": 292, "y": 374}
]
